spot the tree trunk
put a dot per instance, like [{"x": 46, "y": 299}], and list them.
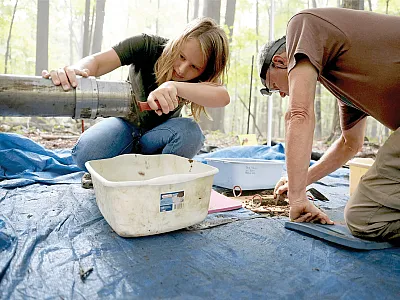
[
  {"x": 353, "y": 4},
  {"x": 9, "y": 38},
  {"x": 158, "y": 13},
  {"x": 279, "y": 115},
  {"x": 98, "y": 28},
  {"x": 195, "y": 9},
  {"x": 318, "y": 123},
  {"x": 387, "y": 133},
  {"x": 187, "y": 11},
  {"x": 335, "y": 133},
  {"x": 211, "y": 9},
  {"x": 71, "y": 35},
  {"x": 374, "y": 129},
  {"x": 91, "y": 25},
  {"x": 314, "y": 3},
  {"x": 370, "y": 5},
  {"x": 86, "y": 40},
  {"x": 42, "y": 37},
  {"x": 230, "y": 16},
  {"x": 255, "y": 90}
]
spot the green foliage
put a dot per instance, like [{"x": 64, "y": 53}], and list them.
[{"x": 392, "y": 5}]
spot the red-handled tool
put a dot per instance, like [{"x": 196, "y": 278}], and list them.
[{"x": 145, "y": 106}]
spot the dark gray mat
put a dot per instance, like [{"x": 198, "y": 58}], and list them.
[{"x": 338, "y": 234}]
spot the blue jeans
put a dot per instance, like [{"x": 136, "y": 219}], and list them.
[{"x": 114, "y": 136}]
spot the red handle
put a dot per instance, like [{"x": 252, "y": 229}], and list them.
[{"x": 145, "y": 106}]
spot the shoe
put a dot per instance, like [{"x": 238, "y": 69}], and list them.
[{"x": 86, "y": 181}]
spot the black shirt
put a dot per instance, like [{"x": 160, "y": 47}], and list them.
[{"x": 141, "y": 52}]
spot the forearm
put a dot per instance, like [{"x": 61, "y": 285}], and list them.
[
  {"x": 205, "y": 93},
  {"x": 338, "y": 154},
  {"x": 100, "y": 63},
  {"x": 89, "y": 63},
  {"x": 299, "y": 138}
]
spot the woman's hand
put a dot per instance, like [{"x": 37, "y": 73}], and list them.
[
  {"x": 166, "y": 95},
  {"x": 65, "y": 76}
]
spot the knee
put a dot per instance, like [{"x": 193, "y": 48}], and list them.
[
  {"x": 192, "y": 138},
  {"x": 356, "y": 214},
  {"x": 193, "y": 133},
  {"x": 78, "y": 156},
  {"x": 108, "y": 138},
  {"x": 187, "y": 138},
  {"x": 350, "y": 216}
]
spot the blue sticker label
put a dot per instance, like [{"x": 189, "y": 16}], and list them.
[{"x": 172, "y": 201}]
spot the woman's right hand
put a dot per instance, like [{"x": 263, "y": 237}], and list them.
[
  {"x": 65, "y": 76},
  {"x": 166, "y": 95},
  {"x": 281, "y": 187}
]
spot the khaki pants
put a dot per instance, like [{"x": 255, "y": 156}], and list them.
[{"x": 373, "y": 211}]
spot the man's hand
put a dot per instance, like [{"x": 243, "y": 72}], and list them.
[
  {"x": 166, "y": 95},
  {"x": 306, "y": 211},
  {"x": 281, "y": 187},
  {"x": 302, "y": 210},
  {"x": 65, "y": 76}
]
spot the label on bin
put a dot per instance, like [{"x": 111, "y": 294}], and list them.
[{"x": 172, "y": 201}]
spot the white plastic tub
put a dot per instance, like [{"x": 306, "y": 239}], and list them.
[
  {"x": 248, "y": 173},
  {"x": 142, "y": 195}
]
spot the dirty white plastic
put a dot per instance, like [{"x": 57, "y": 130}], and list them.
[
  {"x": 248, "y": 173},
  {"x": 141, "y": 195},
  {"x": 358, "y": 167}
]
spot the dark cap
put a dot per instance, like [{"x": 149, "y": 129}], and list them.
[{"x": 269, "y": 54}]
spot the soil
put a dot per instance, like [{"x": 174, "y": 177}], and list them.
[{"x": 58, "y": 141}]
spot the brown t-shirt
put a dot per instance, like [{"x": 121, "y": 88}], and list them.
[{"x": 357, "y": 55}]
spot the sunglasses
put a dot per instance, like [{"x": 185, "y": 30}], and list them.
[{"x": 267, "y": 62}]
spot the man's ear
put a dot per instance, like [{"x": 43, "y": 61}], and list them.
[{"x": 280, "y": 60}]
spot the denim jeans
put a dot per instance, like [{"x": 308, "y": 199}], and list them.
[{"x": 115, "y": 136}]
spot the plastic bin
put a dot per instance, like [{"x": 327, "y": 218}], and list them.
[
  {"x": 248, "y": 173},
  {"x": 358, "y": 167},
  {"x": 141, "y": 195}
]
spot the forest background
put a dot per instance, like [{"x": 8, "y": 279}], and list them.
[{"x": 43, "y": 34}]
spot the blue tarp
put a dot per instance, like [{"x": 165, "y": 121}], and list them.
[
  {"x": 54, "y": 243},
  {"x": 23, "y": 162}
]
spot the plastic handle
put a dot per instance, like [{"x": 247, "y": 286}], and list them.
[{"x": 145, "y": 106}]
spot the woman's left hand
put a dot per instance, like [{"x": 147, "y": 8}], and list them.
[{"x": 166, "y": 95}]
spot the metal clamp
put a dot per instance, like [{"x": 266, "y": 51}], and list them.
[{"x": 87, "y": 98}]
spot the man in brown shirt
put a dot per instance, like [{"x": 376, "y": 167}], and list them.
[{"x": 356, "y": 56}]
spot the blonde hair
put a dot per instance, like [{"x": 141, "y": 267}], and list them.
[{"x": 214, "y": 46}]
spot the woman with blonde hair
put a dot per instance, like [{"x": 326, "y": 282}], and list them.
[{"x": 166, "y": 74}]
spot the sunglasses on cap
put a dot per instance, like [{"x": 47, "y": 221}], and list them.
[{"x": 267, "y": 62}]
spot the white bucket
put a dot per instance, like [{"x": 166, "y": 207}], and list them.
[
  {"x": 247, "y": 173},
  {"x": 141, "y": 195}
]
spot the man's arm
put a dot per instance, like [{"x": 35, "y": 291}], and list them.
[
  {"x": 343, "y": 149},
  {"x": 300, "y": 123}
]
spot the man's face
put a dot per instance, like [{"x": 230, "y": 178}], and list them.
[{"x": 277, "y": 78}]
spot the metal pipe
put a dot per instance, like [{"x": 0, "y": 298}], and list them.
[{"x": 22, "y": 96}]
